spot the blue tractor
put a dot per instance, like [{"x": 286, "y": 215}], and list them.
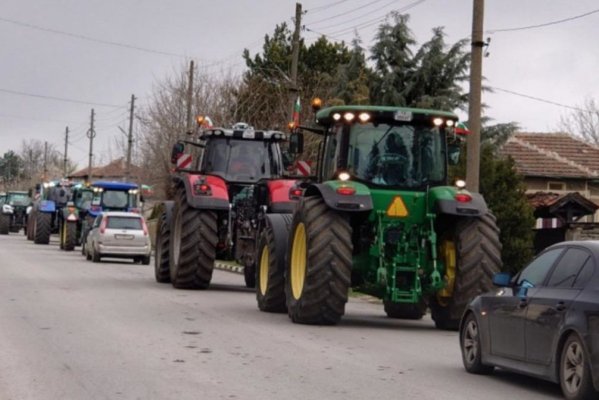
[
  {"x": 109, "y": 196},
  {"x": 53, "y": 212}
]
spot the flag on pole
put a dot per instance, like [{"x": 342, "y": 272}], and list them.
[
  {"x": 461, "y": 129},
  {"x": 297, "y": 107}
]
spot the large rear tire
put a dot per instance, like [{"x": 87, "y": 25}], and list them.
[
  {"x": 43, "y": 228},
  {"x": 161, "y": 250},
  {"x": 319, "y": 269},
  {"x": 192, "y": 245},
  {"x": 4, "y": 224},
  {"x": 271, "y": 251},
  {"x": 477, "y": 258}
]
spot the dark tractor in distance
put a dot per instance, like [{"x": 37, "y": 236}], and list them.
[
  {"x": 13, "y": 212},
  {"x": 220, "y": 203},
  {"x": 102, "y": 196},
  {"x": 381, "y": 217}
]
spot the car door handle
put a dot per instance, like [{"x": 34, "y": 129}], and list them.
[{"x": 560, "y": 306}]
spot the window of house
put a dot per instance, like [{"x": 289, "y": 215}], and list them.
[{"x": 556, "y": 186}]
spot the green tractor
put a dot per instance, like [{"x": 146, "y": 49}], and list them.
[{"x": 379, "y": 216}]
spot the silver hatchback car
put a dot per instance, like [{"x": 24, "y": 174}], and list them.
[{"x": 118, "y": 235}]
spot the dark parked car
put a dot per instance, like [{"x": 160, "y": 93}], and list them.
[{"x": 543, "y": 322}]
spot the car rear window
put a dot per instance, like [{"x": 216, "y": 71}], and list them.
[{"x": 124, "y": 223}]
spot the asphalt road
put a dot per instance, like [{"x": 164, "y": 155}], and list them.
[{"x": 71, "y": 329}]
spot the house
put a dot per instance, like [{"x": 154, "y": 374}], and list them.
[
  {"x": 114, "y": 171},
  {"x": 561, "y": 174}
]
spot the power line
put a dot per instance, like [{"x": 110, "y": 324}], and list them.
[
  {"x": 345, "y": 13},
  {"x": 320, "y": 8},
  {"x": 40, "y": 96},
  {"x": 540, "y": 99},
  {"x": 89, "y": 38},
  {"x": 544, "y": 24},
  {"x": 359, "y": 17}
]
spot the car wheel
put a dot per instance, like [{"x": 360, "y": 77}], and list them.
[
  {"x": 575, "y": 372},
  {"x": 470, "y": 346},
  {"x": 95, "y": 254}
]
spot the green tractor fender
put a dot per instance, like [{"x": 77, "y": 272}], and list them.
[
  {"x": 450, "y": 200},
  {"x": 345, "y": 196}
]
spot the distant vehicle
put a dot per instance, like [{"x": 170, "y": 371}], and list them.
[
  {"x": 544, "y": 322},
  {"x": 118, "y": 235},
  {"x": 13, "y": 211}
]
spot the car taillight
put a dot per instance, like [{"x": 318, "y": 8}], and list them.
[
  {"x": 463, "y": 198},
  {"x": 103, "y": 225},
  {"x": 143, "y": 224},
  {"x": 346, "y": 190}
]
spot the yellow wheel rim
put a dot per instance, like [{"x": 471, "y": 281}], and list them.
[
  {"x": 298, "y": 261},
  {"x": 264, "y": 264},
  {"x": 448, "y": 256}
]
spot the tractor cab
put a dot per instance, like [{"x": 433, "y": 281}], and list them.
[
  {"x": 387, "y": 147},
  {"x": 113, "y": 196}
]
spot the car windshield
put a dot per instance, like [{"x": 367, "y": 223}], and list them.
[
  {"x": 18, "y": 199},
  {"x": 131, "y": 223},
  {"x": 397, "y": 155},
  {"x": 237, "y": 159}
]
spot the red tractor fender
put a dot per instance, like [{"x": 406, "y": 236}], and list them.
[
  {"x": 205, "y": 191},
  {"x": 279, "y": 200}
]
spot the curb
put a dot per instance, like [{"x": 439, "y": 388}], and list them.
[{"x": 238, "y": 269}]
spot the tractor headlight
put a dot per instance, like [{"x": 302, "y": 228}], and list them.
[
  {"x": 7, "y": 209},
  {"x": 460, "y": 183},
  {"x": 343, "y": 176}
]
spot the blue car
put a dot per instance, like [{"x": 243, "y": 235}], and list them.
[{"x": 543, "y": 322}]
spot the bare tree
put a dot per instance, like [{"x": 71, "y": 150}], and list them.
[
  {"x": 163, "y": 121},
  {"x": 32, "y": 155},
  {"x": 583, "y": 122}
]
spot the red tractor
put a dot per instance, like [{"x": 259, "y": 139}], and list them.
[{"x": 220, "y": 204}]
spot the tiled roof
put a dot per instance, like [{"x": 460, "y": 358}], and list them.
[
  {"x": 114, "y": 169},
  {"x": 555, "y": 155}
]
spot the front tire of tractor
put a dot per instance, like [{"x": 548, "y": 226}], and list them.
[
  {"x": 161, "y": 251},
  {"x": 404, "y": 311},
  {"x": 318, "y": 273},
  {"x": 4, "y": 224},
  {"x": 271, "y": 252},
  {"x": 477, "y": 258},
  {"x": 192, "y": 245},
  {"x": 43, "y": 228}
]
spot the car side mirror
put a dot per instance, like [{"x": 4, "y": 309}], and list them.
[
  {"x": 296, "y": 143},
  {"x": 178, "y": 149},
  {"x": 502, "y": 279}
]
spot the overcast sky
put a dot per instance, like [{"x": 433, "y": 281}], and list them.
[{"x": 39, "y": 65}]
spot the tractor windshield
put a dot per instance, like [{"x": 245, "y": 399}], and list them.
[
  {"x": 83, "y": 199},
  {"x": 238, "y": 160},
  {"x": 397, "y": 155},
  {"x": 18, "y": 199}
]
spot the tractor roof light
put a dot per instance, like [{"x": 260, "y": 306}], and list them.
[
  {"x": 343, "y": 176},
  {"x": 438, "y": 121},
  {"x": 460, "y": 183},
  {"x": 316, "y": 104},
  {"x": 449, "y": 122},
  {"x": 364, "y": 117},
  {"x": 336, "y": 116},
  {"x": 200, "y": 120},
  {"x": 349, "y": 117}
]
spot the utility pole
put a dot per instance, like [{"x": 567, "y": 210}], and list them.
[
  {"x": 295, "y": 57},
  {"x": 91, "y": 134},
  {"x": 474, "y": 105},
  {"x": 130, "y": 139},
  {"x": 66, "y": 148},
  {"x": 45, "y": 161},
  {"x": 190, "y": 98}
]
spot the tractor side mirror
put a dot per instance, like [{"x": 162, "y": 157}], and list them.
[
  {"x": 296, "y": 143},
  {"x": 453, "y": 153},
  {"x": 178, "y": 149}
]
